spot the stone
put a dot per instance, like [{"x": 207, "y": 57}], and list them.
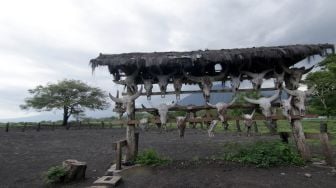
[
  {"x": 76, "y": 170},
  {"x": 307, "y": 175},
  {"x": 282, "y": 173},
  {"x": 109, "y": 181}
]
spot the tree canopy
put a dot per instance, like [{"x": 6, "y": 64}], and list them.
[
  {"x": 323, "y": 101},
  {"x": 71, "y": 96}
]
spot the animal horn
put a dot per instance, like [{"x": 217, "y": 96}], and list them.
[
  {"x": 287, "y": 70},
  {"x": 309, "y": 69},
  {"x": 253, "y": 101},
  {"x": 275, "y": 96},
  {"x": 137, "y": 94},
  {"x": 233, "y": 100},
  {"x": 252, "y": 114},
  {"x": 172, "y": 105},
  {"x": 289, "y": 91},
  {"x": 310, "y": 90},
  {"x": 117, "y": 100},
  {"x": 213, "y": 106},
  {"x": 249, "y": 74}
]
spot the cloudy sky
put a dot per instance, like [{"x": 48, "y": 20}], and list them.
[{"x": 44, "y": 41}]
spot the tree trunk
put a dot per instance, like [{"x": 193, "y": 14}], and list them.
[
  {"x": 130, "y": 134},
  {"x": 65, "y": 116}
]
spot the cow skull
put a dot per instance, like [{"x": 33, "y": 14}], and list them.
[
  {"x": 129, "y": 81},
  {"x": 286, "y": 107},
  {"x": 163, "y": 81},
  {"x": 248, "y": 121},
  {"x": 264, "y": 103},
  {"x": 119, "y": 107},
  {"x": 222, "y": 108},
  {"x": 295, "y": 75},
  {"x": 148, "y": 85},
  {"x": 235, "y": 83},
  {"x": 205, "y": 82},
  {"x": 162, "y": 110},
  {"x": 278, "y": 79},
  {"x": 300, "y": 98},
  {"x": 257, "y": 78},
  {"x": 127, "y": 101},
  {"x": 177, "y": 87},
  {"x": 181, "y": 123}
]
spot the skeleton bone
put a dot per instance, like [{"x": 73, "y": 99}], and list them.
[
  {"x": 177, "y": 87},
  {"x": 295, "y": 75},
  {"x": 211, "y": 128},
  {"x": 163, "y": 109},
  {"x": 143, "y": 124},
  {"x": 127, "y": 101},
  {"x": 264, "y": 103},
  {"x": 129, "y": 81},
  {"x": 119, "y": 107},
  {"x": 278, "y": 79},
  {"x": 205, "y": 82},
  {"x": 286, "y": 107},
  {"x": 163, "y": 81},
  {"x": 235, "y": 83},
  {"x": 257, "y": 78},
  {"x": 248, "y": 121},
  {"x": 148, "y": 85},
  {"x": 300, "y": 98},
  {"x": 222, "y": 108},
  {"x": 181, "y": 123}
]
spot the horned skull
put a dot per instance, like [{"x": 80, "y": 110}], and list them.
[
  {"x": 222, "y": 108},
  {"x": 295, "y": 75},
  {"x": 129, "y": 81},
  {"x": 278, "y": 79},
  {"x": 177, "y": 87},
  {"x": 162, "y": 110},
  {"x": 119, "y": 107},
  {"x": 257, "y": 78},
  {"x": 148, "y": 85},
  {"x": 235, "y": 83},
  {"x": 300, "y": 98},
  {"x": 181, "y": 123},
  {"x": 264, "y": 103},
  {"x": 248, "y": 119},
  {"x": 212, "y": 127},
  {"x": 163, "y": 81},
  {"x": 286, "y": 107},
  {"x": 127, "y": 101}
]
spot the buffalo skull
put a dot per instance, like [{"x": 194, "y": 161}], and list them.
[
  {"x": 222, "y": 108},
  {"x": 148, "y": 85},
  {"x": 278, "y": 79},
  {"x": 177, "y": 87},
  {"x": 257, "y": 78},
  {"x": 181, "y": 123},
  {"x": 295, "y": 75},
  {"x": 129, "y": 81},
  {"x": 235, "y": 83},
  {"x": 300, "y": 98},
  {"x": 286, "y": 107},
  {"x": 264, "y": 103}
]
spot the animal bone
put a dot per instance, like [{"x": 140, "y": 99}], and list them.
[
  {"x": 295, "y": 75},
  {"x": 129, "y": 81},
  {"x": 177, "y": 87},
  {"x": 211, "y": 128},
  {"x": 257, "y": 78},
  {"x": 163, "y": 109},
  {"x": 264, "y": 103},
  {"x": 127, "y": 101},
  {"x": 235, "y": 83},
  {"x": 119, "y": 107},
  {"x": 286, "y": 107},
  {"x": 278, "y": 79},
  {"x": 248, "y": 121},
  {"x": 148, "y": 85},
  {"x": 205, "y": 82},
  {"x": 163, "y": 81},
  {"x": 300, "y": 98},
  {"x": 143, "y": 124},
  {"x": 181, "y": 123},
  {"x": 222, "y": 108}
]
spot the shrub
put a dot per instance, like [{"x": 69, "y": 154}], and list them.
[
  {"x": 55, "y": 174},
  {"x": 150, "y": 157},
  {"x": 266, "y": 154}
]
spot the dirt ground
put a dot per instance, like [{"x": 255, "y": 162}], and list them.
[{"x": 24, "y": 156}]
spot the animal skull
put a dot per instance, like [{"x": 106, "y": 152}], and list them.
[
  {"x": 163, "y": 109},
  {"x": 235, "y": 83},
  {"x": 257, "y": 78},
  {"x": 177, "y": 87},
  {"x": 148, "y": 85},
  {"x": 278, "y": 79},
  {"x": 222, "y": 108},
  {"x": 248, "y": 121},
  {"x": 300, "y": 98},
  {"x": 119, "y": 107},
  {"x": 129, "y": 81},
  {"x": 127, "y": 101},
  {"x": 295, "y": 75},
  {"x": 211, "y": 128},
  {"x": 286, "y": 107},
  {"x": 264, "y": 103},
  {"x": 181, "y": 123},
  {"x": 163, "y": 81},
  {"x": 143, "y": 124}
]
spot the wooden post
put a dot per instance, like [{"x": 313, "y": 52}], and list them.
[
  {"x": 256, "y": 130},
  {"x": 80, "y": 125},
  {"x": 24, "y": 127},
  {"x": 102, "y": 124},
  {"x": 327, "y": 150},
  {"x": 238, "y": 125},
  {"x": 130, "y": 133},
  {"x": 38, "y": 127},
  {"x": 136, "y": 144},
  {"x": 53, "y": 126},
  {"x": 118, "y": 156},
  {"x": 299, "y": 137},
  {"x": 7, "y": 127}
]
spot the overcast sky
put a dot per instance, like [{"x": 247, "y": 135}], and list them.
[{"x": 45, "y": 41}]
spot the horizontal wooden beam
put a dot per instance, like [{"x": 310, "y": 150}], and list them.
[{"x": 121, "y": 142}]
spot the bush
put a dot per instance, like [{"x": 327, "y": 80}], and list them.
[
  {"x": 55, "y": 174},
  {"x": 150, "y": 157},
  {"x": 266, "y": 154}
]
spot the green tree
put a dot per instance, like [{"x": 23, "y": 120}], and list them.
[
  {"x": 71, "y": 96},
  {"x": 324, "y": 99}
]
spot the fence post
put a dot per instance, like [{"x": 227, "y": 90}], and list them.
[
  {"x": 102, "y": 124},
  {"x": 80, "y": 125},
  {"x": 24, "y": 127},
  {"x": 327, "y": 150},
  {"x": 118, "y": 156},
  {"x": 53, "y": 126},
  {"x": 136, "y": 144},
  {"x": 7, "y": 127},
  {"x": 256, "y": 130},
  {"x": 38, "y": 127}
]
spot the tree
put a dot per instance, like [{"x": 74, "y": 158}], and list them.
[
  {"x": 71, "y": 96},
  {"x": 324, "y": 99}
]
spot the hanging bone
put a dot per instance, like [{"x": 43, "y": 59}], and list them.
[
  {"x": 119, "y": 107},
  {"x": 212, "y": 127},
  {"x": 148, "y": 85},
  {"x": 222, "y": 109},
  {"x": 205, "y": 82},
  {"x": 248, "y": 121},
  {"x": 299, "y": 98},
  {"x": 162, "y": 110},
  {"x": 287, "y": 107},
  {"x": 127, "y": 101},
  {"x": 181, "y": 123},
  {"x": 177, "y": 87},
  {"x": 278, "y": 79},
  {"x": 295, "y": 75},
  {"x": 129, "y": 81},
  {"x": 257, "y": 78},
  {"x": 163, "y": 81},
  {"x": 264, "y": 103},
  {"x": 235, "y": 83}
]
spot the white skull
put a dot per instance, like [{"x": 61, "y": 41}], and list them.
[{"x": 264, "y": 103}]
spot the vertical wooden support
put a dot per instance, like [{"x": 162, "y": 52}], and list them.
[
  {"x": 80, "y": 125},
  {"x": 118, "y": 155},
  {"x": 299, "y": 137},
  {"x": 327, "y": 150},
  {"x": 136, "y": 144},
  {"x": 256, "y": 130},
  {"x": 24, "y": 127},
  {"x": 238, "y": 125},
  {"x": 130, "y": 133},
  {"x": 7, "y": 127},
  {"x": 53, "y": 126},
  {"x": 102, "y": 124},
  {"x": 38, "y": 127}
]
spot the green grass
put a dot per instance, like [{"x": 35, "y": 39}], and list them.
[
  {"x": 150, "y": 157},
  {"x": 55, "y": 174}
]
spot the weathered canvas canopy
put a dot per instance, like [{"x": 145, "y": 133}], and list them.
[{"x": 203, "y": 62}]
